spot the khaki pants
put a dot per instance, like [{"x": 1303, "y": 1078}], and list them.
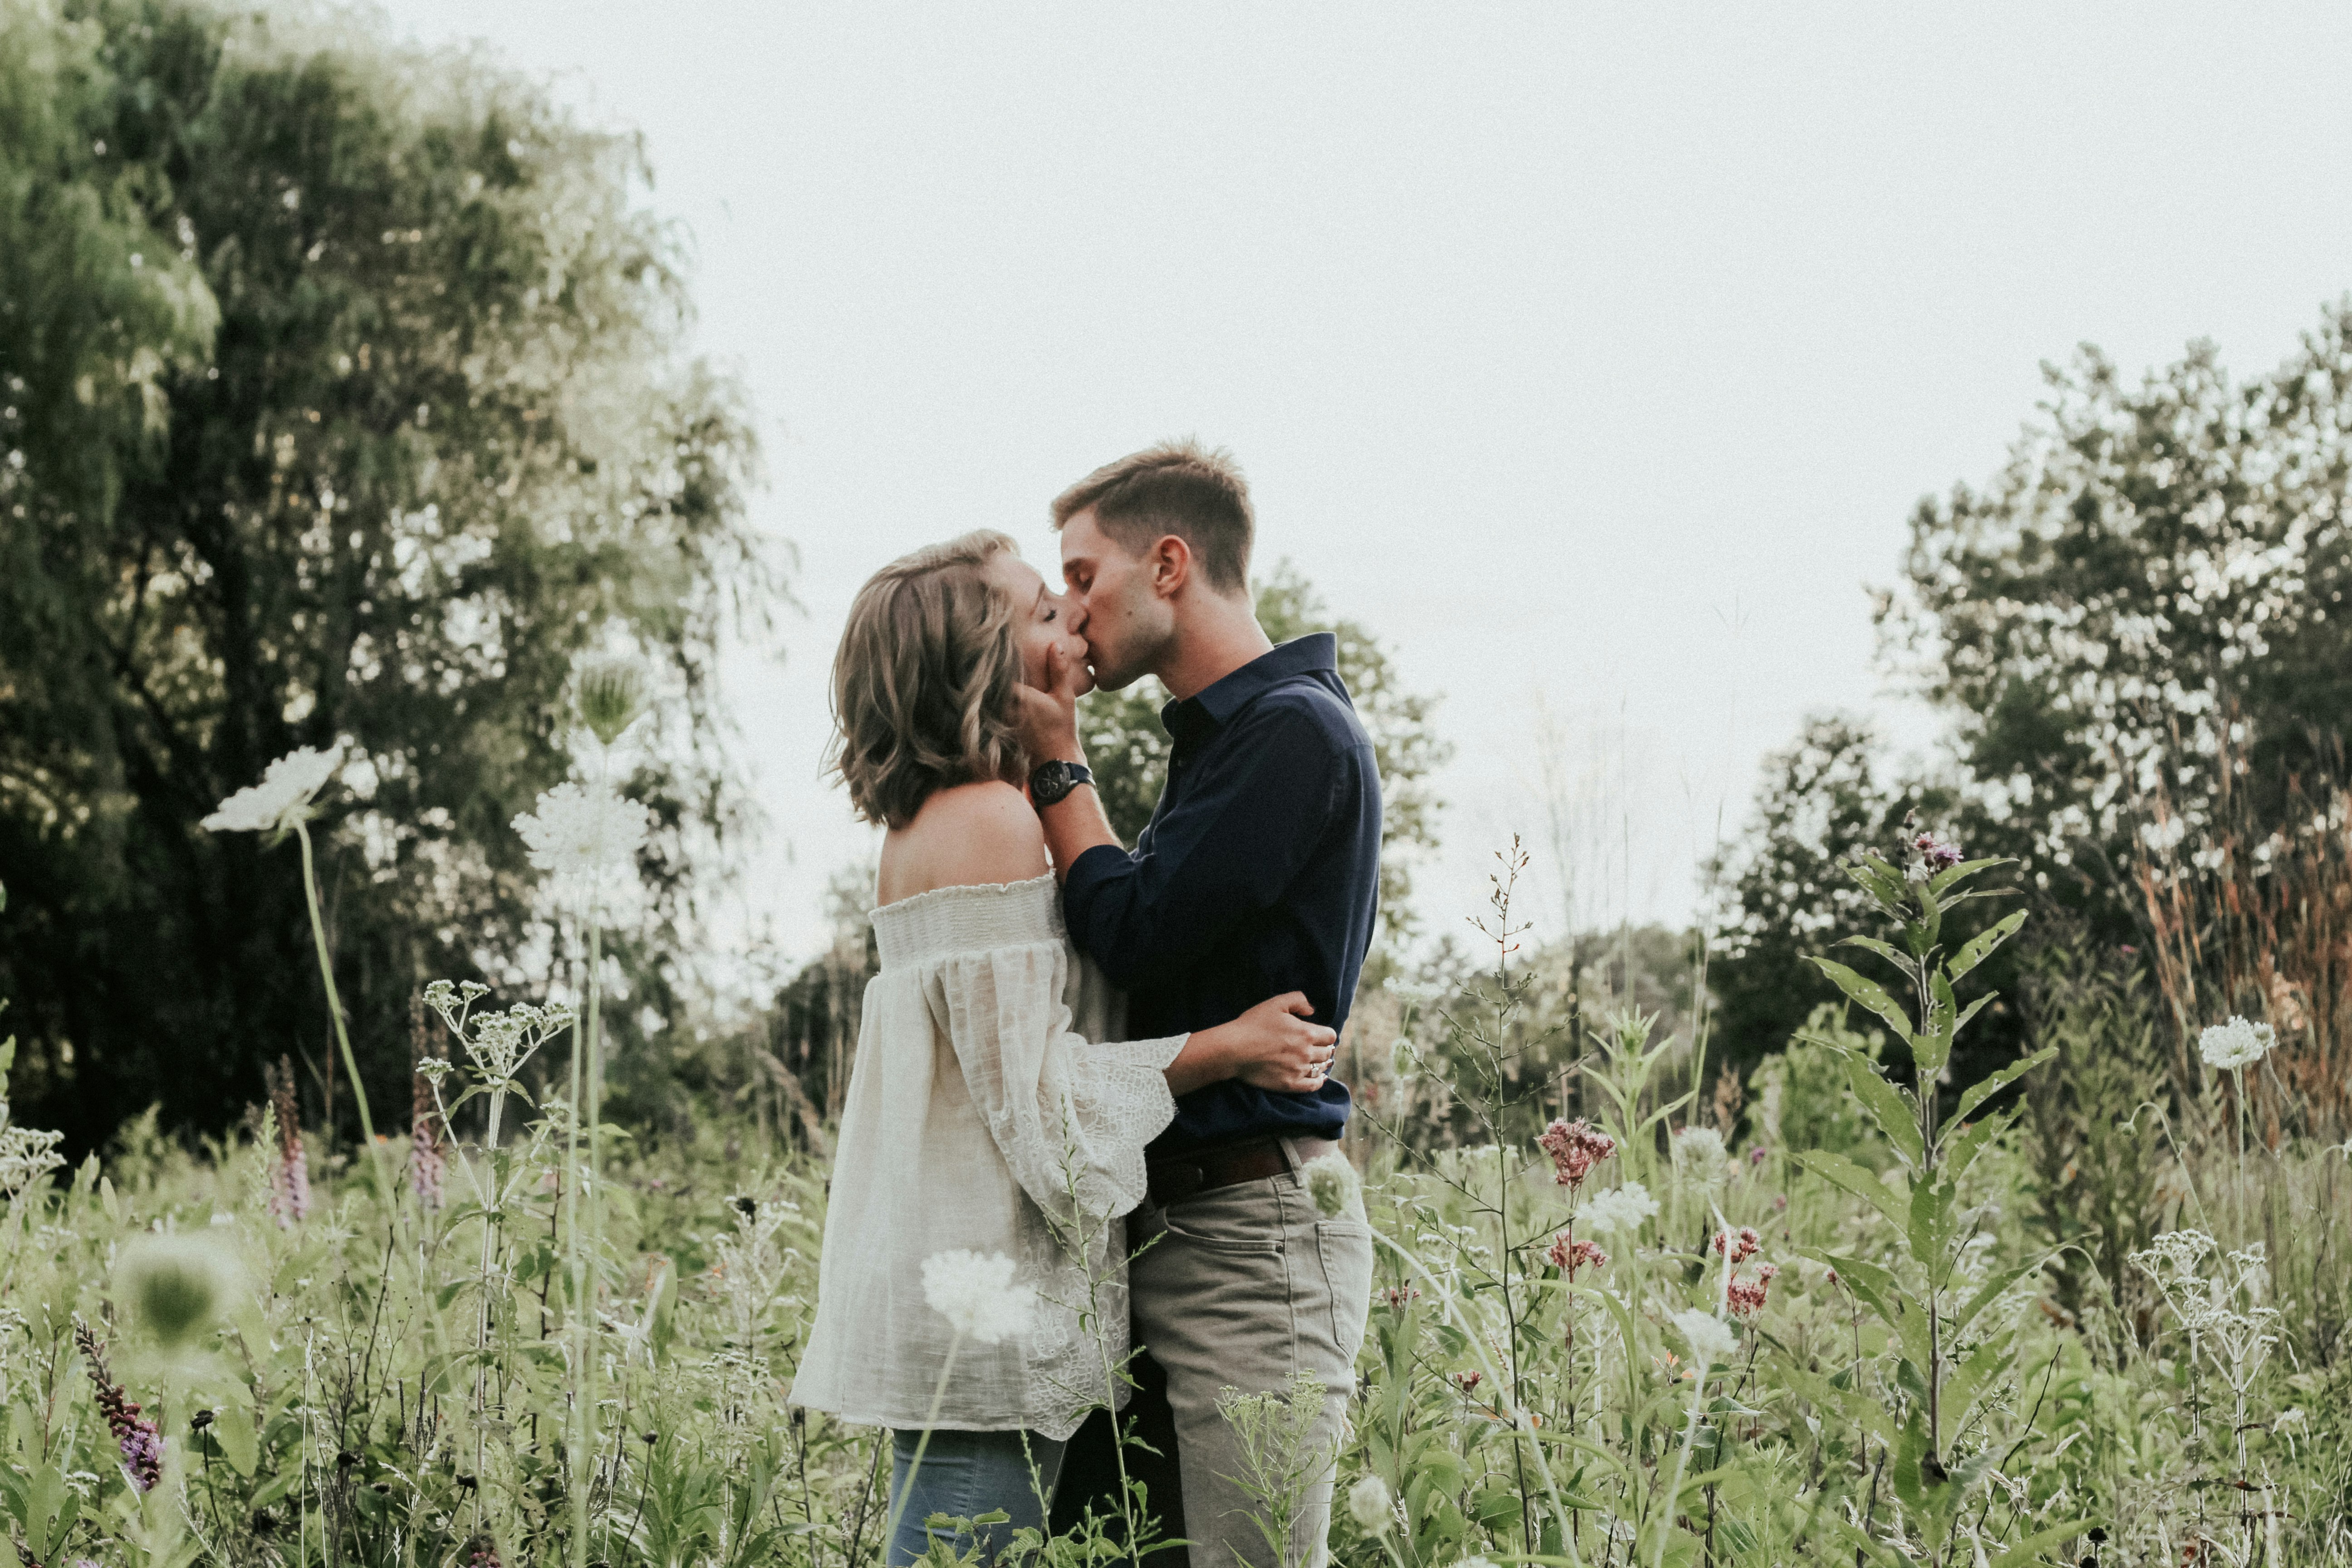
[{"x": 1239, "y": 1289}]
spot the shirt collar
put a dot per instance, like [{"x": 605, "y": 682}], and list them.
[{"x": 1193, "y": 717}]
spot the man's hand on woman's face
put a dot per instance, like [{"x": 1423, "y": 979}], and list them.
[{"x": 1046, "y": 719}]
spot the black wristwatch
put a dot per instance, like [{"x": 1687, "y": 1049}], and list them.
[{"x": 1050, "y": 782}]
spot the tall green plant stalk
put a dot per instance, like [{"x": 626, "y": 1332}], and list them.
[
  {"x": 1923, "y": 1208},
  {"x": 584, "y": 1258},
  {"x": 335, "y": 1012}
]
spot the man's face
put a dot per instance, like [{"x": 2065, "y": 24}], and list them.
[{"x": 1128, "y": 622}]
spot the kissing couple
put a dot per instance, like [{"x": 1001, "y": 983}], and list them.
[{"x": 1107, "y": 1064}]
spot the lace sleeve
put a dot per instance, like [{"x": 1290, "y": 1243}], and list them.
[{"x": 1070, "y": 1116}]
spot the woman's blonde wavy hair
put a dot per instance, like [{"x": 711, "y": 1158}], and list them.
[{"x": 922, "y": 683}]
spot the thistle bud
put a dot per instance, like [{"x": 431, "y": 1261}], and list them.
[
  {"x": 176, "y": 1284},
  {"x": 611, "y": 691}
]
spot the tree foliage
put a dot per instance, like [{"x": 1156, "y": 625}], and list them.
[
  {"x": 2159, "y": 568},
  {"x": 345, "y": 400},
  {"x": 1126, "y": 747},
  {"x": 2154, "y": 582}
]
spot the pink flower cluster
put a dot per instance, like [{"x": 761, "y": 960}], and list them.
[
  {"x": 1575, "y": 1147},
  {"x": 1744, "y": 1244},
  {"x": 135, "y": 1434},
  {"x": 1568, "y": 1255},
  {"x": 1746, "y": 1295},
  {"x": 1938, "y": 855}
]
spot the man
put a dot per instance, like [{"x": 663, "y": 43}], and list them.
[{"x": 1258, "y": 875}]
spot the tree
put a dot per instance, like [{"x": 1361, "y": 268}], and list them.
[
  {"x": 1126, "y": 747},
  {"x": 346, "y": 401},
  {"x": 2156, "y": 572}
]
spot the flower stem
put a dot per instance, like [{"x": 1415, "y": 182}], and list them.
[
  {"x": 335, "y": 1010},
  {"x": 915, "y": 1464}
]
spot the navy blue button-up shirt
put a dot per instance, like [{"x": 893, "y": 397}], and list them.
[{"x": 1258, "y": 875}]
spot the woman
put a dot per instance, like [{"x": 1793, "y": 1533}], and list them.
[{"x": 987, "y": 1111}]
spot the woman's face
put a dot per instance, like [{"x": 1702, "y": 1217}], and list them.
[{"x": 1042, "y": 620}]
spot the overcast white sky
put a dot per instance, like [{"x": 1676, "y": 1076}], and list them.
[{"x": 1598, "y": 354}]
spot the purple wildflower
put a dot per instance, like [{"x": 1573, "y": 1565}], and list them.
[
  {"x": 290, "y": 1171},
  {"x": 135, "y": 1434},
  {"x": 426, "y": 1162},
  {"x": 1938, "y": 855}
]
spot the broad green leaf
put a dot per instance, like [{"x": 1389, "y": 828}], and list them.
[
  {"x": 1984, "y": 1088},
  {"x": 1878, "y": 1290},
  {"x": 1895, "y": 1116},
  {"x": 1970, "y": 1011},
  {"x": 1881, "y": 881},
  {"x": 1921, "y": 936},
  {"x": 1961, "y": 872},
  {"x": 1930, "y": 1227},
  {"x": 1910, "y": 1450},
  {"x": 1970, "y": 1379},
  {"x": 1977, "y": 949},
  {"x": 50, "y": 1507},
  {"x": 1933, "y": 1048},
  {"x": 2040, "y": 1542},
  {"x": 1962, "y": 1152},
  {"x": 1862, "y": 1182},
  {"x": 1990, "y": 1291},
  {"x": 232, "y": 1428},
  {"x": 1869, "y": 993},
  {"x": 1886, "y": 950}
]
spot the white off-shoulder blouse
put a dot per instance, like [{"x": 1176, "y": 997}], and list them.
[{"x": 991, "y": 1109}]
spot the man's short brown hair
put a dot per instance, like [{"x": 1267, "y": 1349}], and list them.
[{"x": 1195, "y": 492}]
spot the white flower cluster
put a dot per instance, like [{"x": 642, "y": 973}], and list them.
[
  {"x": 582, "y": 835},
  {"x": 1371, "y": 1507},
  {"x": 283, "y": 797},
  {"x": 25, "y": 1154},
  {"x": 499, "y": 1043},
  {"x": 1617, "y": 1211},
  {"x": 1699, "y": 1154},
  {"x": 1712, "y": 1342},
  {"x": 2227, "y": 1047},
  {"x": 1334, "y": 1185},
  {"x": 976, "y": 1292}
]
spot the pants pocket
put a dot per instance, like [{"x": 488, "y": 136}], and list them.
[{"x": 1345, "y": 1247}]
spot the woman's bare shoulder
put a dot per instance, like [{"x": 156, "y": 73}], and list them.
[{"x": 966, "y": 835}]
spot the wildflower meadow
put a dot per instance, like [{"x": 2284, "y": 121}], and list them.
[
  {"x": 1611, "y": 1328},
  {"x": 404, "y": 1163}
]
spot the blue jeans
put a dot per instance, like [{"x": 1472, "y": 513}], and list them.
[{"x": 964, "y": 1475}]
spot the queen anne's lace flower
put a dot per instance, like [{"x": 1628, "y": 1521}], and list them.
[
  {"x": 283, "y": 797},
  {"x": 976, "y": 1292},
  {"x": 583, "y": 831},
  {"x": 2227, "y": 1047},
  {"x": 1712, "y": 1342},
  {"x": 1617, "y": 1210}
]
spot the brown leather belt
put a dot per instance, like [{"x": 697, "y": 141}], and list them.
[{"x": 1197, "y": 1171}]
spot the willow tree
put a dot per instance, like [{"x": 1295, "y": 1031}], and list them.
[{"x": 346, "y": 400}]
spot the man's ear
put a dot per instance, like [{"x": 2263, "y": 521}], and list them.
[{"x": 1170, "y": 561}]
